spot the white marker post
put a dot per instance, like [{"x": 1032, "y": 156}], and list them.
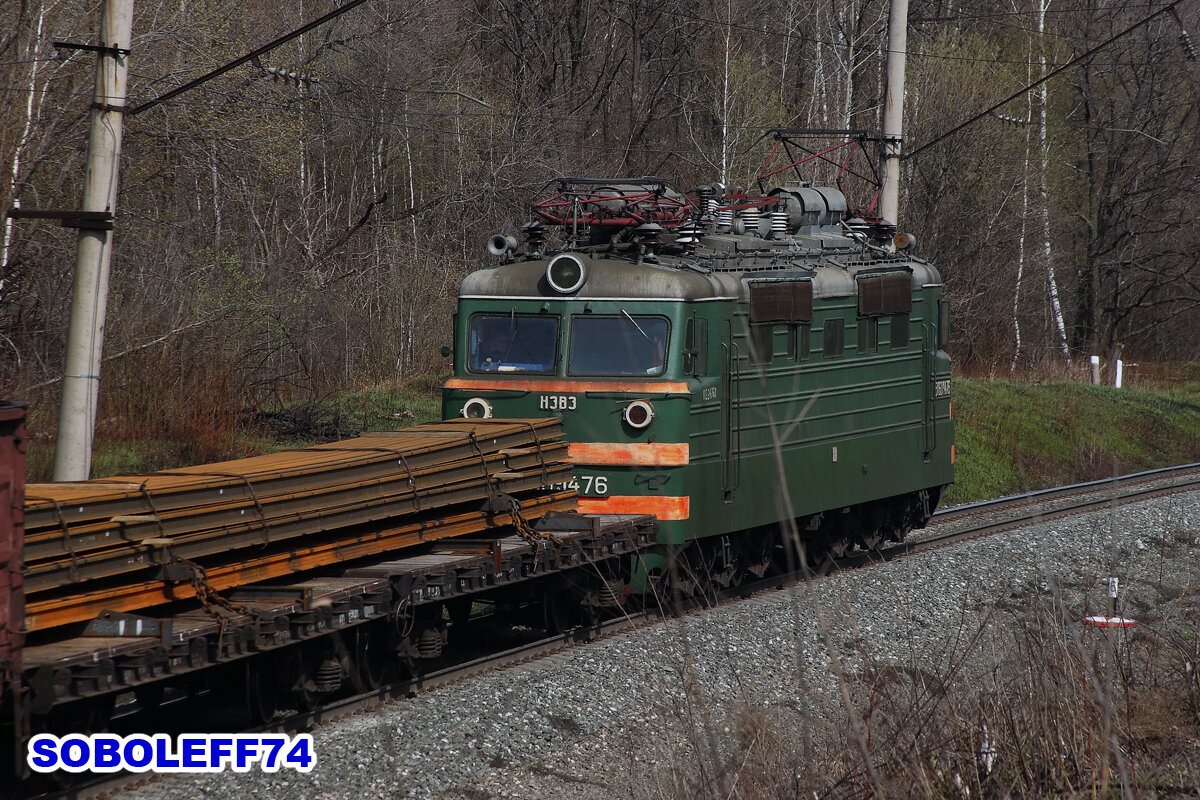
[
  {"x": 1108, "y": 622},
  {"x": 1111, "y": 619}
]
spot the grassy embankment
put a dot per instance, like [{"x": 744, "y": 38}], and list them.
[
  {"x": 1012, "y": 435},
  {"x": 1015, "y": 436}
]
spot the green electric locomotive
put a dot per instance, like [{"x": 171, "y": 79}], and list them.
[{"x": 723, "y": 363}]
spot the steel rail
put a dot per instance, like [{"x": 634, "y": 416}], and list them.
[
  {"x": 1025, "y": 509},
  {"x": 55, "y": 505},
  {"x": 66, "y": 573},
  {"x": 1061, "y": 491},
  {"x": 80, "y": 607},
  {"x": 419, "y": 488},
  {"x": 178, "y": 487},
  {"x": 1037, "y": 513}
]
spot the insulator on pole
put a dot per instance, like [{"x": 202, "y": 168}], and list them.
[
  {"x": 1188, "y": 48},
  {"x": 1013, "y": 120},
  {"x": 297, "y": 78}
]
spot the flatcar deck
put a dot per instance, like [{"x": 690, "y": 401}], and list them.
[{"x": 119, "y": 652}]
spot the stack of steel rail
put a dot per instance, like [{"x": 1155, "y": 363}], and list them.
[{"x": 137, "y": 541}]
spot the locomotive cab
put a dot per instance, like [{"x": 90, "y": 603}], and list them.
[{"x": 607, "y": 359}]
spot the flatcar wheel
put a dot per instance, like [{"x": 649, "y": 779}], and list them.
[
  {"x": 557, "y": 607},
  {"x": 260, "y": 692},
  {"x": 98, "y": 713},
  {"x": 370, "y": 657},
  {"x": 299, "y": 674},
  {"x": 304, "y": 697},
  {"x": 590, "y": 615},
  {"x": 458, "y": 610}
]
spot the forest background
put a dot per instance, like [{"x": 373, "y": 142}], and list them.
[{"x": 283, "y": 239}]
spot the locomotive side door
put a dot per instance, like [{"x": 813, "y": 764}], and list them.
[{"x": 730, "y": 416}]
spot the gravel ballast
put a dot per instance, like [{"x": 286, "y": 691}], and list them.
[{"x": 624, "y": 717}]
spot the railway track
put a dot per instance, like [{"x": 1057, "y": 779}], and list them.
[
  {"x": 954, "y": 525},
  {"x": 1022, "y": 509}
]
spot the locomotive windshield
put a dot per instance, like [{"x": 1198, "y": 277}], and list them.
[
  {"x": 622, "y": 345},
  {"x": 512, "y": 343}
]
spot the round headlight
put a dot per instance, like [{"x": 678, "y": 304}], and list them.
[
  {"x": 904, "y": 241},
  {"x": 566, "y": 273},
  {"x": 639, "y": 414},
  {"x": 477, "y": 408}
]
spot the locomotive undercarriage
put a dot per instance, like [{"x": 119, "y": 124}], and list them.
[
  {"x": 699, "y": 570},
  {"x": 833, "y": 534}
]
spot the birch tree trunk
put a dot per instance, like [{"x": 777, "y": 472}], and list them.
[
  {"x": 1060, "y": 328},
  {"x": 15, "y": 175},
  {"x": 725, "y": 96},
  {"x": 1016, "y": 303}
]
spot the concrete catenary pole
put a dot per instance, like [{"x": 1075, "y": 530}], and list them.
[
  {"x": 893, "y": 111},
  {"x": 81, "y": 377}
]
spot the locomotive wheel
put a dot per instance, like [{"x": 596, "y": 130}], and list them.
[
  {"x": 724, "y": 569},
  {"x": 828, "y": 548},
  {"x": 870, "y": 541},
  {"x": 692, "y": 579},
  {"x": 759, "y": 553}
]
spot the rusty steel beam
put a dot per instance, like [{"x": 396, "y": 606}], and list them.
[
  {"x": 84, "y": 606},
  {"x": 419, "y": 489},
  {"x": 63, "y": 571},
  {"x": 60, "y": 505}
]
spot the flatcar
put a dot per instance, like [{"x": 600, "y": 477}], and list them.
[{"x": 726, "y": 363}]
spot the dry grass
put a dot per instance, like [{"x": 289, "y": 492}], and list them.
[{"x": 1026, "y": 704}]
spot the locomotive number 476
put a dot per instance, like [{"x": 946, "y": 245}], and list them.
[
  {"x": 585, "y": 485},
  {"x": 557, "y": 402}
]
